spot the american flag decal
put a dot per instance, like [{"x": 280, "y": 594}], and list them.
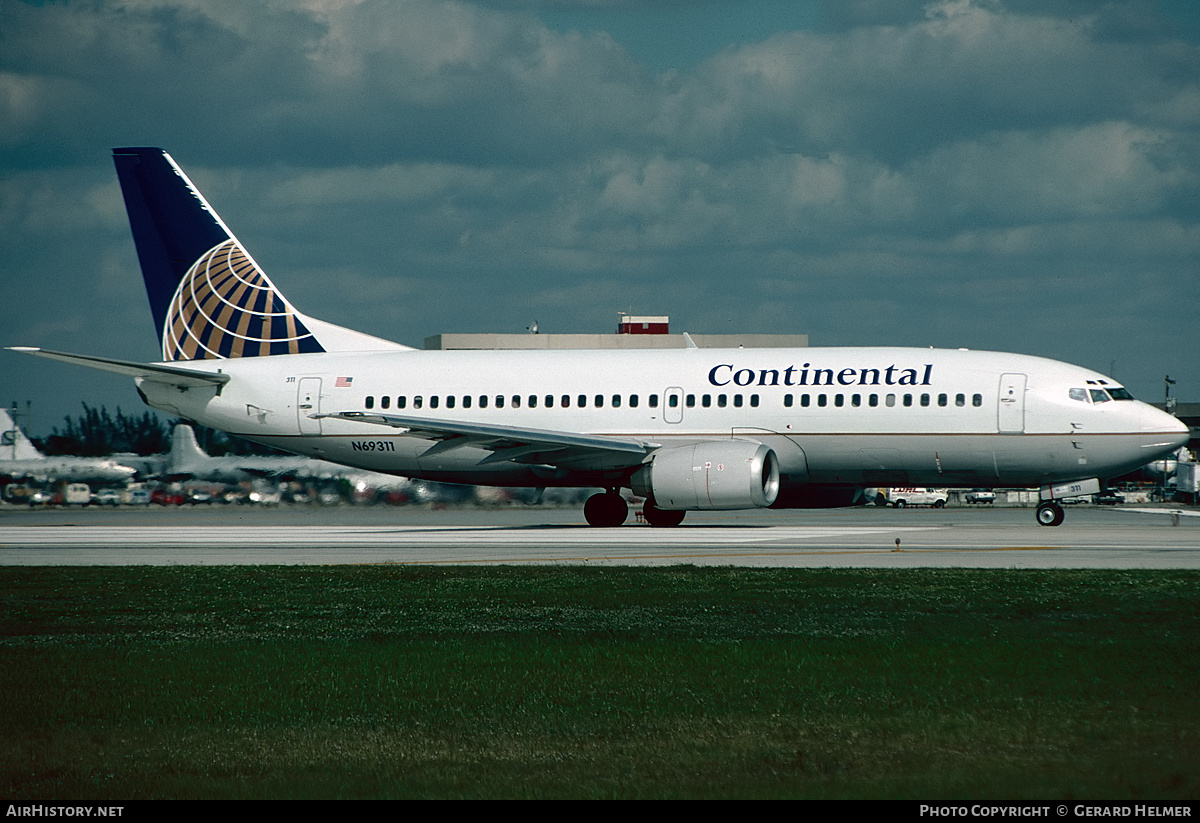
[{"x": 343, "y": 382}]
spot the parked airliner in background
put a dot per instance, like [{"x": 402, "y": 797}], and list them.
[
  {"x": 187, "y": 460},
  {"x": 687, "y": 429},
  {"x": 19, "y": 458}
]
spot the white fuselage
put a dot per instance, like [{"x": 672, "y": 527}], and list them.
[{"x": 865, "y": 416}]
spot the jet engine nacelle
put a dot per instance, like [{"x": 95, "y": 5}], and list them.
[{"x": 726, "y": 474}]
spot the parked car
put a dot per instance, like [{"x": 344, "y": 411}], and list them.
[
  {"x": 37, "y": 497},
  {"x": 980, "y": 496},
  {"x": 108, "y": 497},
  {"x": 918, "y": 497},
  {"x": 1108, "y": 497}
]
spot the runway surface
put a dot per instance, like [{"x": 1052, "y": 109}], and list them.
[{"x": 866, "y": 537}]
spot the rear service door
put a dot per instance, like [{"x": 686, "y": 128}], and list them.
[{"x": 308, "y": 401}]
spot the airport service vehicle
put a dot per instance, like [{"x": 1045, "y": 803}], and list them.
[
  {"x": 687, "y": 429},
  {"x": 980, "y": 496},
  {"x": 899, "y": 498},
  {"x": 77, "y": 494}
]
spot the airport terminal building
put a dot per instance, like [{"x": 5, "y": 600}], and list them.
[{"x": 633, "y": 332}]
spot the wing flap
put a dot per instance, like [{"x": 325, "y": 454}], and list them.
[{"x": 509, "y": 442}]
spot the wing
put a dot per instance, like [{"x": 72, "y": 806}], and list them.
[{"x": 556, "y": 448}]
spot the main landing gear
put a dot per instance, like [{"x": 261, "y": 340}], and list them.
[
  {"x": 605, "y": 510},
  {"x": 608, "y": 509},
  {"x": 1049, "y": 514},
  {"x": 666, "y": 518}
]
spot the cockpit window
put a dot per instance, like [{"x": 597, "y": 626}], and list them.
[
  {"x": 1099, "y": 395},
  {"x": 1079, "y": 394},
  {"x": 1119, "y": 393}
]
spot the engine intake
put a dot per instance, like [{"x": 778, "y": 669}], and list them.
[{"x": 725, "y": 474}]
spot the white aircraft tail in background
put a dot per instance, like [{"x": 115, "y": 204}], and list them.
[
  {"x": 686, "y": 429},
  {"x": 14, "y": 445}
]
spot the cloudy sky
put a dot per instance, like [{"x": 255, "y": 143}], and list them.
[{"x": 1020, "y": 175}]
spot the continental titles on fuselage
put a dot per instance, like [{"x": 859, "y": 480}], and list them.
[{"x": 726, "y": 374}]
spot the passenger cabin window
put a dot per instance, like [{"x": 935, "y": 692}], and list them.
[{"x": 369, "y": 402}]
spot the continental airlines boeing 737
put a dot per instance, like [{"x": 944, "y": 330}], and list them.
[{"x": 687, "y": 429}]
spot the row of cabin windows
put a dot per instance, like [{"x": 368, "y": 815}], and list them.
[
  {"x": 856, "y": 400},
  {"x": 615, "y": 401},
  {"x": 499, "y": 401}
]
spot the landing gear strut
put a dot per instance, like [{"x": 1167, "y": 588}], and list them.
[
  {"x": 1049, "y": 514},
  {"x": 605, "y": 510}
]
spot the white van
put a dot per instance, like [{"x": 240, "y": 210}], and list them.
[
  {"x": 918, "y": 497},
  {"x": 77, "y": 494}
]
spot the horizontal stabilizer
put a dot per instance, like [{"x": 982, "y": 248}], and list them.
[{"x": 156, "y": 372}]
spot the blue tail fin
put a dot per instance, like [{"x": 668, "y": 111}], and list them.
[{"x": 209, "y": 298}]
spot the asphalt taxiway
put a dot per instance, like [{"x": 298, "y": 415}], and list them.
[{"x": 864, "y": 537}]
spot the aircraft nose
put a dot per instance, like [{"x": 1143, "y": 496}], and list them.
[{"x": 1168, "y": 424}]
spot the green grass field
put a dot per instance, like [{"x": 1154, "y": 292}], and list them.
[{"x": 683, "y": 682}]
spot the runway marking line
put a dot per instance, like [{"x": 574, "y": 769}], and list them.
[{"x": 625, "y": 557}]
